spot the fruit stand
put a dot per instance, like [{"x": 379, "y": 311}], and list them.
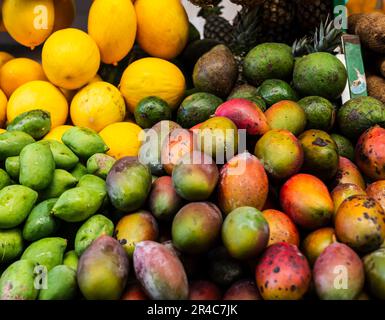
[{"x": 192, "y": 150}]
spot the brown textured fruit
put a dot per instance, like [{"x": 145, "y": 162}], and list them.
[
  {"x": 242, "y": 182},
  {"x": 204, "y": 290},
  {"x": 360, "y": 223},
  {"x": 316, "y": 242},
  {"x": 282, "y": 228},
  {"x": 283, "y": 273},
  {"x": 338, "y": 273},
  {"x": 307, "y": 201},
  {"x": 370, "y": 153},
  {"x": 160, "y": 272},
  {"x": 243, "y": 290},
  {"x": 376, "y": 190},
  {"x": 349, "y": 173}
]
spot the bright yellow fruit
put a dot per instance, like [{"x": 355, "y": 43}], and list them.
[
  {"x": 2, "y": 131},
  {"x": 163, "y": 27},
  {"x": 97, "y": 105},
  {"x": 57, "y": 133},
  {"x": 95, "y": 79},
  {"x": 152, "y": 77},
  {"x": 65, "y": 12},
  {"x": 112, "y": 24},
  {"x": 19, "y": 71},
  {"x": 3, "y": 108},
  {"x": 38, "y": 95},
  {"x": 70, "y": 58},
  {"x": 29, "y": 22},
  {"x": 5, "y": 57},
  {"x": 122, "y": 138}
]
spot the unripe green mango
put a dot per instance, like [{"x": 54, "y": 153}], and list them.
[
  {"x": 16, "y": 202},
  {"x": 100, "y": 164},
  {"x": 36, "y": 166},
  {"x": 79, "y": 171},
  {"x": 71, "y": 259},
  {"x": 103, "y": 270},
  {"x": 37, "y": 123},
  {"x": 11, "y": 245},
  {"x": 78, "y": 204},
  {"x": 12, "y": 142},
  {"x": 92, "y": 229},
  {"x": 61, "y": 181},
  {"x": 84, "y": 142},
  {"x": 374, "y": 264},
  {"x": 93, "y": 182},
  {"x": 12, "y": 166},
  {"x": 40, "y": 222},
  {"x": 61, "y": 284},
  {"x": 47, "y": 252},
  {"x": 63, "y": 156},
  {"x": 5, "y": 180},
  {"x": 18, "y": 281}
]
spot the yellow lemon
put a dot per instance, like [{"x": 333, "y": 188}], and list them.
[
  {"x": 122, "y": 138},
  {"x": 112, "y": 24},
  {"x": 5, "y": 57},
  {"x": 3, "y": 108},
  {"x": 95, "y": 79},
  {"x": 57, "y": 133},
  {"x": 38, "y": 95},
  {"x": 152, "y": 77},
  {"x": 163, "y": 27},
  {"x": 97, "y": 105},
  {"x": 65, "y": 12},
  {"x": 19, "y": 71},
  {"x": 29, "y": 22},
  {"x": 70, "y": 58}
]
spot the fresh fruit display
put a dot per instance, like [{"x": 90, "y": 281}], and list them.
[{"x": 145, "y": 158}]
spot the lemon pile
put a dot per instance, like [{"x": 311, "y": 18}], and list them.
[{"x": 66, "y": 82}]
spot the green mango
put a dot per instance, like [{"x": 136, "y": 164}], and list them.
[
  {"x": 62, "y": 181},
  {"x": 84, "y": 142},
  {"x": 37, "y": 123},
  {"x": 61, "y": 284},
  {"x": 100, "y": 164},
  {"x": 93, "y": 182},
  {"x": 11, "y": 245},
  {"x": 93, "y": 228},
  {"x": 16, "y": 202},
  {"x": 79, "y": 171},
  {"x": 18, "y": 281},
  {"x": 78, "y": 204},
  {"x": 40, "y": 223},
  {"x": 36, "y": 166},
  {"x": 5, "y": 180},
  {"x": 12, "y": 142},
  {"x": 47, "y": 252},
  {"x": 12, "y": 166},
  {"x": 71, "y": 259},
  {"x": 63, "y": 156},
  {"x": 374, "y": 264}
]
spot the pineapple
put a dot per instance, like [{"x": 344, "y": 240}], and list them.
[
  {"x": 205, "y": 3},
  {"x": 216, "y": 27},
  {"x": 278, "y": 19},
  {"x": 326, "y": 38},
  {"x": 311, "y": 12},
  {"x": 248, "y": 3}
]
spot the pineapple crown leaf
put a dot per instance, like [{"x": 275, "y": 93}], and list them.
[
  {"x": 206, "y": 12},
  {"x": 326, "y": 38}
]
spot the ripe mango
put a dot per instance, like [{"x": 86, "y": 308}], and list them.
[
  {"x": 103, "y": 270},
  {"x": 196, "y": 227},
  {"x": 349, "y": 173},
  {"x": 316, "y": 242},
  {"x": 160, "y": 272},
  {"x": 47, "y": 252},
  {"x": 344, "y": 191},
  {"x": 338, "y": 273},
  {"x": 283, "y": 273},
  {"x": 243, "y": 290},
  {"x": 376, "y": 190},
  {"x": 128, "y": 184},
  {"x": 204, "y": 290}
]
